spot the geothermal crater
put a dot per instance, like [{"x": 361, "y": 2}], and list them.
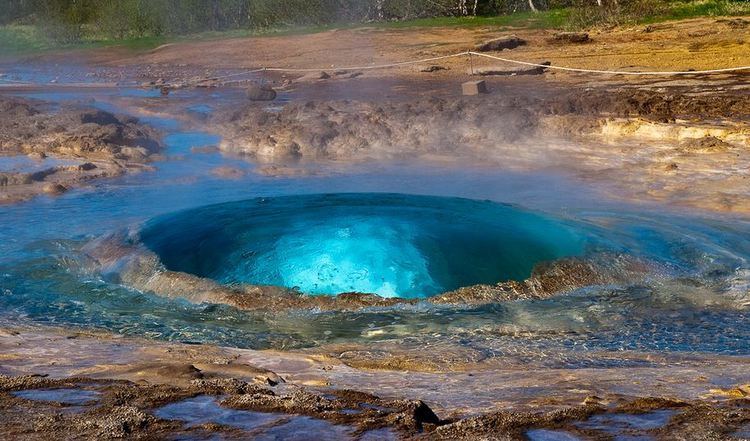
[{"x": 393, "y": 245}]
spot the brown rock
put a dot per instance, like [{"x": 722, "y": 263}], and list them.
[
  {"x": 314, "y": 76},
  {"x": 495, "y": 71},
  {"x": 474, "y": 87},
  {"x": 570, "y": 38},
  {"x": 54, "y": 189},
  {"x": 37, "y": 156},
  {"x": 502, "y": 43},
  {"x": 261, "y": 93},
  {"x": 228, "y": 172},
  {"x": 432, "y": 68}
]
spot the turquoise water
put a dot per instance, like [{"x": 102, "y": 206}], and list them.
[
  {"x": 389, "y": 244},
  {"x": 697, "y": 300}
]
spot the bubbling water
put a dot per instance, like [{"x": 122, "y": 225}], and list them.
[{"x": 387, "y": 244}]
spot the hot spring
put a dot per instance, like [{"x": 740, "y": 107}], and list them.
[
  {"x": 692, "y": 297},
  {"x": 392, "y": 245}
]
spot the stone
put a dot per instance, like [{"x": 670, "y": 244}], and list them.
[
  {"x": 314, "y": 76},
  {"x": 707, "y": 144},
  {"x": 37, "y": 156},
  {"x": 474, "y": 87},
  {"x": 570, "y": 38},
  {"x": 432, "y": 68},
  {"x": 227, "y": 172},
  {"x": 99, "y": 117},
  {"x": 261, "y": 93},
  {"x": 592, "y": 399},
  {"x": 499, "y": 71},
  {"x": 54, "y": 189},
  {"x": 87, "y": 166},
  {"x": 502, "y": 43}
]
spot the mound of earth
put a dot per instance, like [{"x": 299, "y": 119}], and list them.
[{"x": 93, "y": 143}]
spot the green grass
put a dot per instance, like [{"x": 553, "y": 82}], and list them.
[
  {"x": 28, "y": 40},
  {"x": 553, "y": 19},
  {"x": 707, "y": 8},
  {"x": 17, "y": 39}
]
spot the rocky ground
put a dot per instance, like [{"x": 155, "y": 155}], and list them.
[
  {"x": 91, "y": 143},
  {"x": 129, "y": 380},
  {"x": 676, "y": 146}
]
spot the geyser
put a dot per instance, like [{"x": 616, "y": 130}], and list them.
[{"x": 386, "y": 244}]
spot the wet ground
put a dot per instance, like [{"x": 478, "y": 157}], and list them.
[{"x": 656, "y": 305}]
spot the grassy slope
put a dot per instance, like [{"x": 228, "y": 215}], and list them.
[{"x": 17, "y": 40}]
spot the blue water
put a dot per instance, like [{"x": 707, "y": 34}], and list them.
[
  {"x": 78, "y": 397},
  {"x": 24, "y": 164},
  {"x": 205, "y": 409},
  {"x": 697, "y": 300},
  {"x": 388, "y": 244},
  {"x": 629, "y": 427},
  {"x": 550, "y": 435},
  {"x": 262, "y": 426}
]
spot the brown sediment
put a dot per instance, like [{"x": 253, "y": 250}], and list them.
[
  {"x": 103, "y": 144},
  {"x": 555, "y": 278},
  {"x": 125, "y": 409}
]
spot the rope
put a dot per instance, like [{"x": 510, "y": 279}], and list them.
[
  {"x": 349, "y": 68},
  {"x": 460, "y": 54},
  {"x": 614, "y": 72},
  {"x": 371, "y": 67},
  {"x": 479, "y": 54}
]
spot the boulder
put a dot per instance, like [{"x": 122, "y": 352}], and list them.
[
  {"x": 227, "y": 172},
  {"x": 261, "y": 93},
  {"x": 502, "y": 43},
  {"x": 314, "y": 76},
  {"x": 432, "y": 68},
  {"x": 570, "y": 38},
  {"x": 37, "y": 156},
  {"x": 474, "y": 87},
  {"x": 707, "y": 144},
  {"x": 521, "y": 70},
  {"x": 54, "y": 189},
  {"x": 86, "y": 166},
  {"x": 99, "y": 117}
]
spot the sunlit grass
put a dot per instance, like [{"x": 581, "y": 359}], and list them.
[
  {"x": 15, "y": 39},
  {"x": 682, "y": 10}
]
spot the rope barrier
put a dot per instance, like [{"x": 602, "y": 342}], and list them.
[
  {"x": 349, "y": 68},
  {"x": 613, "y": 72},
  {"x": 444, "y": 57},
  {"x": 479, "y": 54}
]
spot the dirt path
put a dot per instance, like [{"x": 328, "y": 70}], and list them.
[{"x": 707, "y": 43}]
